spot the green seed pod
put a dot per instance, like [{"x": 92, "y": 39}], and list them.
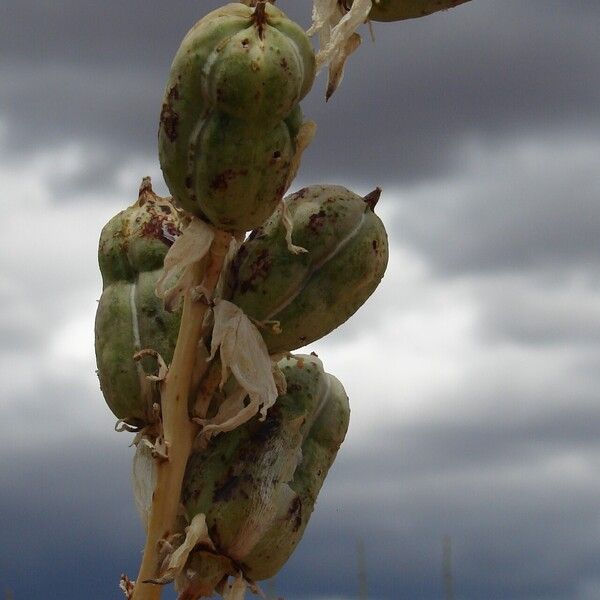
[
  {"x": 229, "y": 119},
  {"x": 310, "y": 294},
  {"x": 400, "y": 10},
  {"x": 257, "y": 485},
  {"x": 130, "y": 317}
]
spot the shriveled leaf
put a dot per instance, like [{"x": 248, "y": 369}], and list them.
[
  {"x": 189, "y": 248},
  {"x": 232, "y": 413},
  {"x": 322, "y": 13},
  {"x": 337, "y": 35},
  {"x": 235, "y": 590},
  {"x": 196, "y": 533},
  {"x": 244, "y": 353},
  {"x": 338, "y": 62},
  {"x": 144, "y": 481},
  {"x": 305, "y": 136},
  {"x": 126, "y": 586}
]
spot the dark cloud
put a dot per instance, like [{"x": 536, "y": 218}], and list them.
[
  {"x": 482, "y": 124},
  {"x": 551, "y": 310},
  {"x": 70, "y": 520},
  {"x": 80, "y": 70},
  {"x": 518, "y": 499},
  {"x": 520, "y": 206}
]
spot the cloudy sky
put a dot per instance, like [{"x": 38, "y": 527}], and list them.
[{"x": 474, "y": 370}]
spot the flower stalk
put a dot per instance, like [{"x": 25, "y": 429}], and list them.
[{"x": 178, "y": 430}]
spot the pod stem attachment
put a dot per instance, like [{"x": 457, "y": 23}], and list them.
[
  {"x": 178, "y": 430},
  {"x": 259, "y": 16}
]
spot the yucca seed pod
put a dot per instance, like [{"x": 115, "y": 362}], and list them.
[
  {"x": 312, "y": 293},
  {"x": 399, "y": 10},
  {"x": 257, "y": 485},
  {"x": 130, "y": 317},
  {"x": 229, "y": 119}
]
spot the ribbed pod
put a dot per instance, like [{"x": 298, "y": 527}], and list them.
[
  {"x": 310, "y": 294},
  {"x": 258, "y": 484},
  {"x": 230, "y": 115},
  {"x": 130, "y": 317}
]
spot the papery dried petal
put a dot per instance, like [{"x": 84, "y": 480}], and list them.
[
  {"x": 235, "y": 590},
  {"x": 244, "y": 353},
  {"x": 189, "y": 249},
  {"x": 144, "y": 481},
  {"x": 196, "y": 533}
]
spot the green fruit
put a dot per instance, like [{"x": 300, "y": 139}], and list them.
[
  {"x": 257, "y": 485},
  {"x": 230, "y": 116},
  {"x": 130, "y": 317},
  {"x": 310, "y": 294},
  {"x": 399, "y": 10}
]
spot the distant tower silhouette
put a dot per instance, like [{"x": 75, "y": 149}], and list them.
[
  {"x": 362, "y": 571},
  {"x": 447, "y": 569}
]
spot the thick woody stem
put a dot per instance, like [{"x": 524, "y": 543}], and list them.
[{"x": 178, "y": 430}]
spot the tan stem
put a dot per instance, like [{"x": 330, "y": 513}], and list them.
[{"x": 178, "y": 430}]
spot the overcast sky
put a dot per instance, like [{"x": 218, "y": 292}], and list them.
[{"x": 473, "y": 372}]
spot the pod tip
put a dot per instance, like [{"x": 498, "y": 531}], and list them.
[{"x": 373, "y": 198}]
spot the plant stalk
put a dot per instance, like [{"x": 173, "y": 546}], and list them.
[{"x": 178, "y": 430}]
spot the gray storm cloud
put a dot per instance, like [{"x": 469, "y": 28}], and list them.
[{"x": 473, "y": 372}]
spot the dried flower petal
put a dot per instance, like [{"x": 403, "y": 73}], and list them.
[
  {"x": 144, "y": 481},
  {"x": 126, "y": 586},
  {"x": 235, "y": 590},
  {"x": 191, "y": 247},
  {"x": 337, "y": 35},
  {"x": 338, "y": 62},
  {"x": 244, "y": 353},
  {"x": 196, "y": 533},
  {"x": 322, "y": 13}
]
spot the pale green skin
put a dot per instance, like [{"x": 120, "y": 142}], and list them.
[
  {"x": 239, "y": 481},
  {"x": 131, "y": 253},
  {"x": 399, "y": 10},
  {"x": 230, "y": 115},
  {"x": 310, "y": 294}
]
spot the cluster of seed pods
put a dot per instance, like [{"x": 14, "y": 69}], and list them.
[{"x": 227, "y": 139}]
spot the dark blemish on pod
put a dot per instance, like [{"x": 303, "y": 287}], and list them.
[
  {"x": 259, "y": 270},
  {"x": 316, "y": 221},
  {"x": 269, "y": 427},
  {"x": 225, "y": 492},
  {"x": 221, "y": 181},
  {"x": 169, "y": 119}
]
